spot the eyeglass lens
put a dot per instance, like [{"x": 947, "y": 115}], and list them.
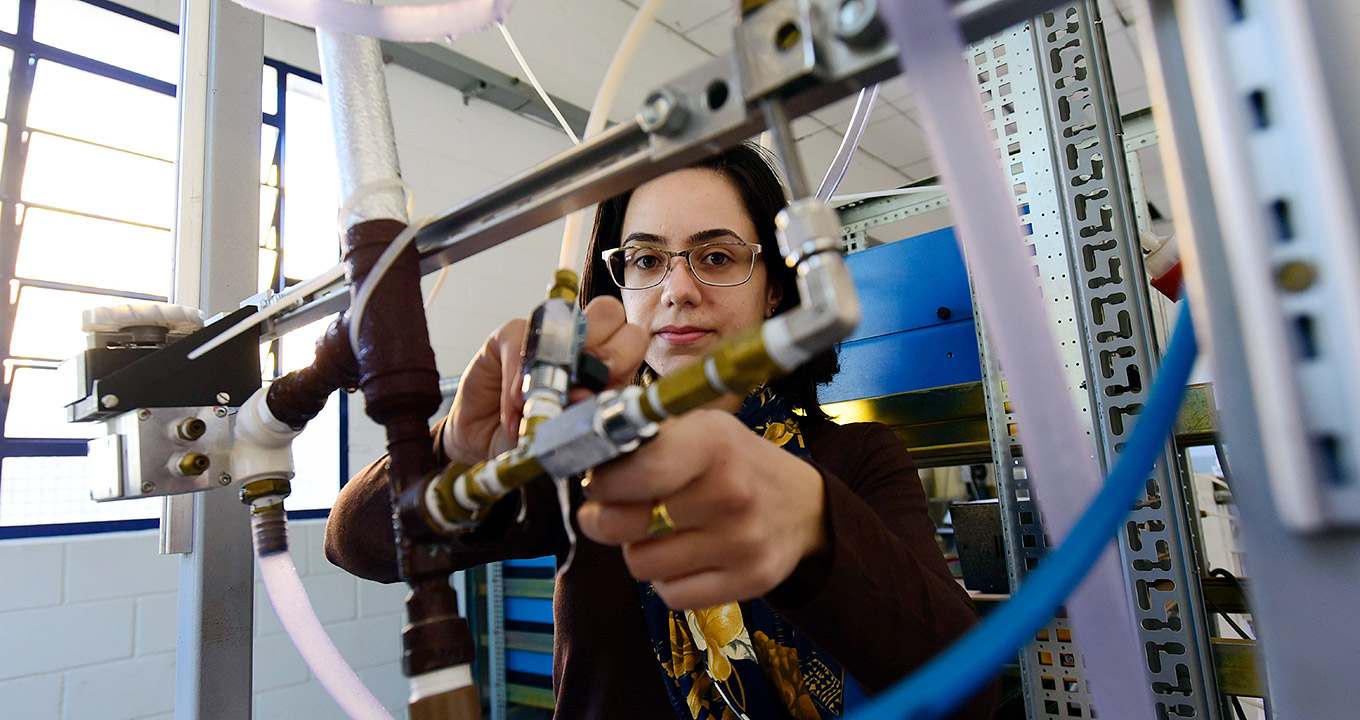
[{"x": 718, "y": 264}]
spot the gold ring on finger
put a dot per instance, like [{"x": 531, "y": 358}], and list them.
[{"x": 661, "y": 525}]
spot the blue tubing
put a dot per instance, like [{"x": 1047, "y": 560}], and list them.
[{"x": 942, "y": 685}]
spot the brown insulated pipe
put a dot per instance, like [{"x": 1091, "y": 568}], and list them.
[{"x": 400, "y": 382}]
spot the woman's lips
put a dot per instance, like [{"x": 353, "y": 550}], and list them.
[{"x": 681, "y": 335}]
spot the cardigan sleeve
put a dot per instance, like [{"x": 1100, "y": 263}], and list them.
[
  {"x": 360, "y": 538},
  {"x": 880, "y": 597}
]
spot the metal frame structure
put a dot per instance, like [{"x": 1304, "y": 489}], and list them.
[
  {"x": 1217, "y": 67},
  {"x": 1048, "y": 86}
]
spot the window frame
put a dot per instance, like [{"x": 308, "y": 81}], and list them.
[{"x": 27, "y": 52}]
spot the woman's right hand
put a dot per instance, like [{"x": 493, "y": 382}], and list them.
[{"x": 484, "y": 421}]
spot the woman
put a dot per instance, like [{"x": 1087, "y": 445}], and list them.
[{"x": 716, "y": 569}]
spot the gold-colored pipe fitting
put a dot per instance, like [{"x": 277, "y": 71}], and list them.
[
  {"x": 257, "y": 489},
  {"x": 564, "y": 286},
  {"x": 741, "y": 364},
  {"x": 511, "y": 472},
  {"x": 193, "y": 463}
]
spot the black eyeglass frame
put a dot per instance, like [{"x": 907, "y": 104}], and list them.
[{"x": 671, "y": 255}]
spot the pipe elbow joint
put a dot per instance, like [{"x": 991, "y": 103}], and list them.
[{"x": 262, "y": 444}]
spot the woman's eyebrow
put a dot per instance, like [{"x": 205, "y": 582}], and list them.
[
  {"x": 642, "y": 237},
  {"x": 706, "y": 235}
]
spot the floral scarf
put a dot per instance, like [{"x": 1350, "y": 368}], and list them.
[{"x": 742, "y": 660}]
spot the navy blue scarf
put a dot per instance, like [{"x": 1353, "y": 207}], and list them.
[{"x": 743, "y": 660}]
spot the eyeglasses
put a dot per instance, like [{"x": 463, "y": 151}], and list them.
[{"x": 721, "y": 264}]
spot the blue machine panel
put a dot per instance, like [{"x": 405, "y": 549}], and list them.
[
  {"x": 917, "y": 331},
  {"x": 537, "y": 610},
  {"x": 534, "y": 663}
]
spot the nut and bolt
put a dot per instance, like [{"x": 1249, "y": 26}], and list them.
[
  {"x": 224, "y": 479},
  {"x": 223, "y": 398},
  {"x": 220, "y": 411},
  {"x": 193, "y": 463},
  {"x": 663, "y": 113},
  {"x": 148, "y": 486},
  {"x": 143, "y": 414},
  {"x": 109, "y": 401},
  {"x": 190, "y": 429},
  {"x": 858, "y": 24}
]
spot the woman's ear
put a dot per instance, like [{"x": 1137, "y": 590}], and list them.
[{"x": 774, "y": 292}]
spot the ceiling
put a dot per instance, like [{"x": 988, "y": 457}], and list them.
[{"x": 569, "y": 46}]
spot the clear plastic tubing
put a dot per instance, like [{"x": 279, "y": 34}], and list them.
[
  {"x": 864, "y": 107},
  {"x": 299, "y": 620},
  {"x": 404, "y": 23},
  {"x": 1060, "y": 463},
  {"x": 573, "y": 235}
]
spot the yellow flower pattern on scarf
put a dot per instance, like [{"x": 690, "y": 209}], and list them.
[{"x": 705, "y": 643}]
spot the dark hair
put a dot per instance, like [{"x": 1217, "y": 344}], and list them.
[{"x": 749, "y": 167}]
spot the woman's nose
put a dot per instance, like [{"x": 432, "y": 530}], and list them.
[{"x": 680, "y": 286}]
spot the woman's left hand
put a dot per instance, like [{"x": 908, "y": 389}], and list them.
[{"x": 746, "y": 512}]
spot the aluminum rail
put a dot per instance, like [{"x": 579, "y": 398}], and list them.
[{"x": 628, "y": 154}]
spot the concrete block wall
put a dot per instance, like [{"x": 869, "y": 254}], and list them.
[{"x": 88, "y": 628}]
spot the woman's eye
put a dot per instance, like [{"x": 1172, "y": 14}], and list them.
[
  {"x": 644, "y": 260},
  {"x": 716, "y": 257}
]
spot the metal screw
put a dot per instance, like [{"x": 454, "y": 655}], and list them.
[
  {"x": 223, "y": 398},
  {"x": 220, "y": 411},
  {"x": 143, "y": 414},
  {"x": 858, "y": 24},
  {"x": 148, "y": 486},
  {"x": 663, "y": 113},
  {"x": 109, "y": 401},
  {"x": 224, "y": 479}
]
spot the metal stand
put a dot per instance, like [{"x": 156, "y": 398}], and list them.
[
  {"x": 1303, "y": 585},
  {"x": 216, "y": 584},
  {"x": 1048, "y": 86}
]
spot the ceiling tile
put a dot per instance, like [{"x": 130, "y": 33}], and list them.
[
  {"x": 920, "y": 170},
  {"x": 689, "y": 14},
  {"x": 805, "y": 126},
  {"x": 838, "y": 112},
  {"x": 896, "y": 140},
  {"x": 713, "y": 35},
  {"x": 894, "y": 89}
]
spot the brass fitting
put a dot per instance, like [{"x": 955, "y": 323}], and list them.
[
  {"x": 193, "y": 463},
  {"x": 259, "y": 489},
  {"x": 564, "y": 286},
  {"x": 451, "y": 515},
  {"x": 739, "y": 365},
  {"x": 190, "y": 429}
]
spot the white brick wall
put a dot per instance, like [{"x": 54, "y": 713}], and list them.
[{"x": 103, "y": 647}]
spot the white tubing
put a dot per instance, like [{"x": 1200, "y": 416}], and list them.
[
  {"x": 1059, "y": 462},
  {"x": 533, "y": 80},
  {"x": 375, "y": 275},
  {"x": 864, "y": 106},
  {"x": 405, "y": 23},
  {"x": 295, "y": 611},
  {"x": 573, "y": 236}
]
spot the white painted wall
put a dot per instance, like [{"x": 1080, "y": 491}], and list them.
[{"x": 87, "y": 624}]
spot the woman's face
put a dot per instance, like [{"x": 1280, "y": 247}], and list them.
[{"x": 684, "y": 317}]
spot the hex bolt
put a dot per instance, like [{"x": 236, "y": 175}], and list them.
[
  {"x": 223, "y": 398},
  {"x": 143, "y": 414},
  {"x": 224, "y": 479},
  {"x": 858, "y": 24},
  {"x": 191, "y": 429},
  {"x": 148, "y": 486},
  {"x": 109, "y": 401},
  {"x": 220, "y": 411},
  {"x": 663, "y": 113},
  {"x": 193, "y": 464}
]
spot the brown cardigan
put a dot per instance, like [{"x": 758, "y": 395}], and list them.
[{"x": 881, "y": 600}]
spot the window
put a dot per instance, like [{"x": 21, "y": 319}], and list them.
[{"x": 88, "y": 204}]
